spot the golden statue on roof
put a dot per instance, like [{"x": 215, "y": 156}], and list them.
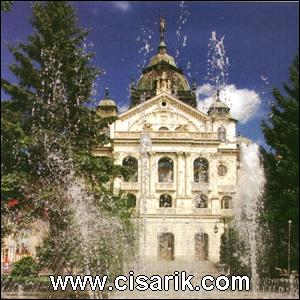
[{"x": 162, "y": 26}]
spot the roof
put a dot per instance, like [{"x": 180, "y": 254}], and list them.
[
  {"x": 162, "y": 74},
  {"x": 219, "y": 108},
  {"x": 107, "y": 101},
  {"x": 164, "y": 56}
]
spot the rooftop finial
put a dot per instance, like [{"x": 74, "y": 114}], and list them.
[
  {"x": 162, "y": 28},
  {"x": 218, "y": 95},
  {"x": 194, "y": 83},
  {"x": 106, "y": 92}
]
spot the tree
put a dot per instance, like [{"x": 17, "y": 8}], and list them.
[
  {"x": 231, "y": 252},
  {"x": 281, "y": 131},
  {"x": 49, "y": 127},
  {"x": 6, "y": 5},
  {"x": 26, "y": 266}
]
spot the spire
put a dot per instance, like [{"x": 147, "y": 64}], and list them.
[
  {"x": 107, "y": 106},
  {"x": 218, "y": 95},
  {"x": 218, "y": 108},
  {"x": 106, "y": 93},
  {"x": 194, "y": 84},
  {"x": 162, "y": 27}
]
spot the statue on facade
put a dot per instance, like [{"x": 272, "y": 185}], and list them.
[
  {"x": 158, "y": 84},
  {"x": 163, "y": 83},
  {"x": 169, "y": 84}
]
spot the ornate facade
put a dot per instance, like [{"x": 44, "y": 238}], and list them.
[{"x": 185, "y": 162}]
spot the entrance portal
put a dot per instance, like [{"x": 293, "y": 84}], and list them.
[
  {"x": 201, "y": 246},
  {"x": 166, "y": 246}
]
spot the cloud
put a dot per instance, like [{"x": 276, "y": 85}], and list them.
[
  {"x": 123, "y": 108},
  {"x": 122, "y": 5},
  {"x": 243, "y": 103}
]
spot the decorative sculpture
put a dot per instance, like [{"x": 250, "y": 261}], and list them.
[
  {"x": 163, "y": 84},
  {"x": 162, "y": 26}
]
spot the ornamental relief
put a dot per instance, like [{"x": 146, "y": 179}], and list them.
[
  {"x": 204, "y": 154},
  {"x": 153, "y": 121},
  {"x": 116, "y": 155},
  {"x": 156, "y": 101}
]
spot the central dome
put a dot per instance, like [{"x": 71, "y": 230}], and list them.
[
  {"x": 162, "y": 55},
  {"x": 162, "y": 75}
]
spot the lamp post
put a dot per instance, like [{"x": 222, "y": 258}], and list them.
[{"x": 289, "y": 248}]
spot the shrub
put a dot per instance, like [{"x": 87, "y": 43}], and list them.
[{"x": 26, "y": 266}]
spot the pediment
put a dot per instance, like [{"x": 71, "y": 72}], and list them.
[{"x": 162, "y": 110}]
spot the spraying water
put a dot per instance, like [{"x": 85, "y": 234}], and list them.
[
  {"x": 90, "y": 225},
  {"x": 249, "y": 203},
  {"x": 217, "y": 62},
  {"x": 251, "y": 179}
]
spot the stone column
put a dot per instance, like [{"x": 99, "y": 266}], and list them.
[
  {"x": 208, "y": 125},
  {"x": 215, "y": 206},
  {"x": 188, "y": 174},
  {"x": 213, "y": 175},
  {"x": 150, "y": 175},
  {"x": 180, "y": 174},
  {"x": 153, "y": 173}
]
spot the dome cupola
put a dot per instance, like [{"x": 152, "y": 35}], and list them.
[
  {"x": 162, "y": 75},
  {"x": 219, "y": 108},
  {"x": 107, "y": 106}
]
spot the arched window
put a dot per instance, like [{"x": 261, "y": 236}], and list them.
[
  {"x": 201, "y": 246},
  {"x": 164, "y": 128},
  {"x": 226, "y": 202},
  {"x": 222, "y": 170},
  {"x": 165, "y": 170},
  {"x": 201, "y": 201},
  {"x": 131, "y": 200},
  {"x": 165, "y": 200},
  {"x": 222, "y": 134},
  {"x": 201, "y": 170},
  {"x": 132, "y": 164},
  {"x": 166, "y": 246}
]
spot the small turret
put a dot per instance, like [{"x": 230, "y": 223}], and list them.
[
  {"x": 107, "y": 107},
  {"x": 219, "y": 108}
]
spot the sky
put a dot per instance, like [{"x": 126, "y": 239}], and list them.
[{"x": 260, "y": 39}]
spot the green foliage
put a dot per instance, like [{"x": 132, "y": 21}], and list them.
[
  {"x": 49, "y": 131},
  {"x": 55, "y": 80},
  {"x": 48, "y": 111},
  {"x": 97, "y": 170},
  {"x": 281, "y": 132},
  {"x": 26, "y": 266},
  {"x": 59, "y": 251},
  {"x": 231, "y": 253},
  {"x": 17, "y": 211},
  {"x": 6, "y": 5}
]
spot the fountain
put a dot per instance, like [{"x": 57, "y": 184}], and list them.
[
  {"x": 88, "y": 223},
  {"x": 249, "y": 203}
]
